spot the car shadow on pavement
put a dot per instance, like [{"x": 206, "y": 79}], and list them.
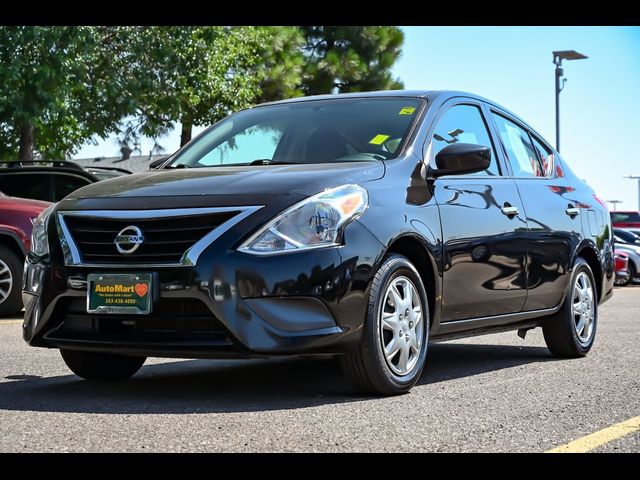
[{"x": 210, "y": 386}]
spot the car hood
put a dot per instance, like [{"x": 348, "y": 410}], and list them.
[
  {"x": 231, "y": 185},
  {"x": 26, "y": 206}
]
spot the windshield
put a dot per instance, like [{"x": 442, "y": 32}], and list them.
[{"x": 318, "y": 131}]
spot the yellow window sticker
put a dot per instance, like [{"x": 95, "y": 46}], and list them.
[
  {"x": 407, "y": 111},
  {"x": 378, "y": 139}
]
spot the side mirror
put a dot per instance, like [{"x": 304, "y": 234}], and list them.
[
  {"x": 156, "y": 163},
  {"x": 461, "y": 158}
]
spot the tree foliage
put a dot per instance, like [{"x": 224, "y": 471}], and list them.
[
  {"x": 62, "y": 86},
  {"x": 194, "y": 75},
  {"x": 58, "y": 88},
  {"x": 350, "y": 59}
]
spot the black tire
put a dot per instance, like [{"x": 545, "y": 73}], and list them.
[
  {"x": 366, "y": 367},
  {"x": 632, "y": 274},
  {"x": 627, "y": 281},
  {"x": 11, "y": 266},
  {"x": 559, "y": 329},
  {"x": 105, "y": 367}
]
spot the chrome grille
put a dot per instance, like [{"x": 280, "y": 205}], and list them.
[{"x": 171, "y": 237}]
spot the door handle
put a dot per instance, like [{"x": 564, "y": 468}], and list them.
[
  {"x": 509, "y": 211},
  {"x": 572, "y": 211}
]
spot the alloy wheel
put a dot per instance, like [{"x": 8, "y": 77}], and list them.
[
  {"x": 583, "y": 307},
  {"x": 6, "y": 281},
  {"x": 401, "y": 326}
]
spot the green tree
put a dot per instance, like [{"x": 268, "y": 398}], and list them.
[
  {"x": 58, "y": 88},
  {"x": 350, "y": 59},
  {"x": 194, "y": 76},
  {"x": 280, "y": 72}
]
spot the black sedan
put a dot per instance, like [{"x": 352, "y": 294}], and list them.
[{"x": 363, "y": 225}]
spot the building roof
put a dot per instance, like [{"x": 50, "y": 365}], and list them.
[{"x": 134, "y": 164}]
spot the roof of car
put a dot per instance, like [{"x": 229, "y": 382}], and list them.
[
  {"x": 382, "y": 93},
  {"x": 43, "y": 166}
]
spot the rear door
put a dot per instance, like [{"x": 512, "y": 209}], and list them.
[
  {"x": 482, "y": 223},
  {"x": 552, "y": 214}
]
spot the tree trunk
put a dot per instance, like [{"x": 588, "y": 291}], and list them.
[
  {"x": 26, "y": 142},
  {"x": 185, "y": 136}
]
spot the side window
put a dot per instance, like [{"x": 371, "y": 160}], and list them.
[
  {"x": 522, "y": 157},
  {"x": 545, "y": 156},
  {"x": 26, "y": 185},
  {"x": 464, "y": 124}
]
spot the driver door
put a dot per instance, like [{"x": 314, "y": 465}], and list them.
[{"x": 483, "y": 224}]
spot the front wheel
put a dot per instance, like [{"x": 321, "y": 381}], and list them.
[
  {"x": 101, "y": 366},
  {"x": 571, "y": 331},
  {"x": 393, "y": 349}
]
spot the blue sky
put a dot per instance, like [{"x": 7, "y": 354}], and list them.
[{"x": 600, "y": 106}]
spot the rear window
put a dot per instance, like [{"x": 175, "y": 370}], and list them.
[{"x": 625, "y": 217}]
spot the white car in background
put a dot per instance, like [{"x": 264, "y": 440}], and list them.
[{"x": 633, "y": 250}]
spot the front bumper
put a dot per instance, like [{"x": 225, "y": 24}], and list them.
[{"x": 229, "y": 304}]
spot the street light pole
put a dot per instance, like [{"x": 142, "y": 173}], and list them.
[
  {"x": 559, "y": 71},
  {"x": 557, "y": 60},
  {"x": 614, "y": 203},
  {"x": 636, "y": 177}
]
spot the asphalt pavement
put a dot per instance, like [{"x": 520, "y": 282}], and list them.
[{"x": 488, "y": 393}]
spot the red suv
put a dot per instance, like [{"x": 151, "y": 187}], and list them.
[
  {"x": 16, "y": 215},
  {"x": 626, "y": 219}
]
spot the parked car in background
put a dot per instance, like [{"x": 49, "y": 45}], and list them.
[
  {"x": 633, "y": 251},
  {"x": 623, "y": 276},
  {"x": 362, "y": 225},
  {"x": 627, "y": 236},
  {"x": 625, "y": 219},
  {"x": 16, "y": 217},
  {"x": 633, "y": 230},
  {"x": 49, "y": 181}
]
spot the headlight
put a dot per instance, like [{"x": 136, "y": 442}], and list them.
[
  {"x": 39, "y": 240},
  {"x": 312, "y": 223}
]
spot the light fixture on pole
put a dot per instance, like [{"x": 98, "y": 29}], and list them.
[
  {"x": 614, "y": 203},
  {"x": 557, "y": 59},
  {"x": 636, "y": 177}
]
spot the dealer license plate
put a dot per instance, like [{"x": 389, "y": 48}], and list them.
[{"x": 128, "y": 293}]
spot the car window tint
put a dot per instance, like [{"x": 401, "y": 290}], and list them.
[
  {"x": 26, "y": 185},
  {"x": 524, "y": 161},
  {"x": 464, "y": 124},
  {"x": 258, "y": 142},
  {"x": 63, "y": 185},
  {"x": 545, "y": 156}
]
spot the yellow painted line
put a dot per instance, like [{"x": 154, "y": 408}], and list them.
[
  {"x": 599, "y": 438},
  {"x": 8, "y": 322}
]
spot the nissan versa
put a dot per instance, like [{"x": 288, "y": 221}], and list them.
[{"x": 362, "y": 225}]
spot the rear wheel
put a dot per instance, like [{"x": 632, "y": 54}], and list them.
[
  {"x": 625, "y": 281},
  {"x": 101, "y": 366},
  {"x": 571, "y": 331},
  {"x": 393, "y": 350},
  {"x": 10, "y": 282}
]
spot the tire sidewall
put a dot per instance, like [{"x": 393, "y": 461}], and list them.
[
  {"x": 396, "y": 266},
  {"x": 581, "y": 266},
  {"x": 13, "y": 303}
]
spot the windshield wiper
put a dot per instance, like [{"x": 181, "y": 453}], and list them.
[{"x": 268, "y": 161}]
